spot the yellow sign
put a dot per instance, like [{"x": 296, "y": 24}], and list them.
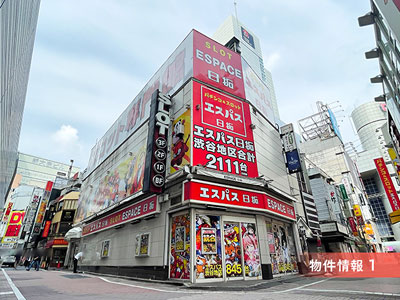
[
  {"x": 395, "y": 160},
  {"x": 368, "y": 229},
  {"x": 357, "y": 210},
  {"x": 395, "y": 216}
]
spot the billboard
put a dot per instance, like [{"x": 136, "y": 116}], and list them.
[
  {"x": 257, "y": 93},
  {"x": 180, "y": 147},
  {"x": 217, "y": 65},
  {"x": 390, "y": 190},
  {"x": 14, "y": 227},
  {"x": 122, "y": 180},
  {"x": 247, "y": 37},
  {"x": 334, "y": 123},
  {"x": 222, "y": 135},
  {"x": 173, "y": 73}
]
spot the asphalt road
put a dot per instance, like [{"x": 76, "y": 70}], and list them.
[{"x": 59, "y": 285}]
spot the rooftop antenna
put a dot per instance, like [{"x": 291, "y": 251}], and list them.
[{"x": 235, "y": 4}]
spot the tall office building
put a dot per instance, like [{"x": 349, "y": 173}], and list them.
[
  {"x": 237, "y": 36},
  {"x": 385, "y": 17},
  {"x": 18, "y": 19}
]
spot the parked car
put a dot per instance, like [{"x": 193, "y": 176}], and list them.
[{"x": 8, "y": 260}]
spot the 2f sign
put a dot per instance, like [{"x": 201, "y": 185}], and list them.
[{"x": 162, "y": 117}]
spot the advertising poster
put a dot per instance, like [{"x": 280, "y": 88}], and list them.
[
  {"x": 250, "y": 250},
  {"x": 222, "y": 135},
  {"x": 233, "y": 257},
  {"x": 271, "y": 243},
  {"x": 123, "y": 180},
  {"x": 180, "y": 148},
  {"x": 180, "y": 239},
  {"x": 387, "y": 183},
  {"x": 257, "y": 92},
  {"x": 179, "y": 264},
  {"x": 105, "y": 249},
  {"x": 209, "y": 241},
  {"x": 144, "y": 244},
  {"x": 137, "y": 245},
  {"x": 217, "y": 65},
  {"x": 282, "y": 260},
  {"x": 208, "y": 247}
]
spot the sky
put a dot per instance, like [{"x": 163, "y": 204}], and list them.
[{"x": 91, "y": 58}]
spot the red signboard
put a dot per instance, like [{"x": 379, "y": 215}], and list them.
[
  {"x": 222, "y": 136},
  {"x": 387, "y": 183},
  {"x": 56, "y": 242},
  {"x": 46, "y": 229},
  {"x": 217, "y": 65},
  {"x": 14, "y": 224},
  {"x": 132, "y": 212},
  {"x": 353, "y": 226},
  {"x": 229, "y": 196},
  {"x": 7, "y": 212}
]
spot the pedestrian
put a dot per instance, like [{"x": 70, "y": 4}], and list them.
[
  {"x": 26, "y": 262},
  {"x": 17, "y": 260},
  {"x": 76, "y": 258},
  {"x": 35, "y": 263}
]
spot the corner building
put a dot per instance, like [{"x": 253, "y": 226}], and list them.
[{"x": 190, "y": 182}]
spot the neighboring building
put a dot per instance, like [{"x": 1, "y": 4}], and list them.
[
  {"x": 235, "y": 35},
  {"x": 370, "y": 121},
  {"x": 190, "y": 182},
  {"x": 385, "y": 16},
  {"x": 18, "y": 19},
  {"x": 322, "y": 145}
]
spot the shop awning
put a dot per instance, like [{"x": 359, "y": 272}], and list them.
[{"x": 74, "y": 233}]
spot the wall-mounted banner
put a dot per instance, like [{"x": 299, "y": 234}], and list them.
[
  {"x": 387, "y": 183},
  {"x": 14, "y": 227},
  {"x": 42, "y": 208},
  {"x": 288, "y": 138},
  {"x": 246, "y": 36},
  {"x": 217, "y": 65},
  {"x": 343, "y": 192},
  {"x": 180, "y": 147},
  {"x": 293, "y": 161},
  {"x": 157, "y": 143},
  {"x": 236, "y": 197},
  {"x": 7, "y": 212},
  {"x": 357, "y": 210},
  {"x": 46, "y": 229},
  {"x": 353, "y": 226},
  {"x": 132, "y": 212},
  {"x": 222, "y": 136}
]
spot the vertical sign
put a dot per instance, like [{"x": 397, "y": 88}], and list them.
[
  {"x": 217, "y": 65},
  {"x": 42, "y": 208},
  {"x": 14, "y": 227},
  {"x": 387, "y": 183},
  {"x": 353, "y": 226},
  {"x": 222, "y": 136},
  {"x": 290, "y": 147},
  {"x": 156, "y": 153}
]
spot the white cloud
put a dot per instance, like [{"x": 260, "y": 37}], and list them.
[
  {"x": 66, "y": 136},
  {"x": 272, "y": 61}
]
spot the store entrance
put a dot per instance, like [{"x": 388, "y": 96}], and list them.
[{"x": 226, "y": 248}]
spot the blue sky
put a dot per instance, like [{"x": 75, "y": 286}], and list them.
[{"x": 91, "y": 58}]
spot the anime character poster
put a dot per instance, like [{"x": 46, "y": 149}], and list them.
[
  {"x": 180, "y": 147},
  {"x": 144, "y": 244},
  {"x": 282, "y": 260},
  {"x": 179, "y": 265},
  {"x": 180, "y": 239},
  {"x": 208, "y": 247},
  {"x": 233, "y": 257},
  {"x": 122, "y": 181},
  {"x": 250, "y": 250}
]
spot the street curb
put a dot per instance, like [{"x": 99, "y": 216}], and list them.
[{"x": 257, "y": 286}]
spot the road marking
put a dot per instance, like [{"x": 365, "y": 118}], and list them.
[
  {"x": 301, "y": 287},
  {"x": 7, "y": 293},
  {"x": 16, "y": 291},
  {"x": 351, "y": 292},
  {"x": 168, "y": 291}
]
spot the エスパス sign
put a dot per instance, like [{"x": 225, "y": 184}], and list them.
[{"x": 222, "y": 136}]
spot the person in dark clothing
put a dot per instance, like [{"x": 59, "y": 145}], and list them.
[{"x": 17, "y": 259}]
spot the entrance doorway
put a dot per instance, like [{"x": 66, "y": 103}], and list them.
[{"x": 227, "y": 248}]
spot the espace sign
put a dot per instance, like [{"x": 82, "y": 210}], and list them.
[{"x": 156, "y": 153}]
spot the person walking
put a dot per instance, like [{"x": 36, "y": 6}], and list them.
[
  {"x": 35, "y": 262},
  {"x": 76, "y": 258},
  {"x": 17, "y": 260}
]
